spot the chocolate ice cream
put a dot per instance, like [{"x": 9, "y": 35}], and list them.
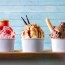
[{"x": 59, "y": 31}]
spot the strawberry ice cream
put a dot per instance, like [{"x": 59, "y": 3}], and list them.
[
  {"x": 7, "y": 32},
  {"x": 7, "y": 37}
]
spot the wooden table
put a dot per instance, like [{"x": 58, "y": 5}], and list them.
[{"x": 20, "y": 54}]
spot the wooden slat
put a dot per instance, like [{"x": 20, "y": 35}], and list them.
[{"x": 20, "y": 55}]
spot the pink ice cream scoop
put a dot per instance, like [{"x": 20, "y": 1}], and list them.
[{"x": 7, "y": 33}]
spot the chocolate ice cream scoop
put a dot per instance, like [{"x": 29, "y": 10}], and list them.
[{"x": 59, "y": 31}]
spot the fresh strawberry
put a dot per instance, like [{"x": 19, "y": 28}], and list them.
[{"x": 4, "y": 23}]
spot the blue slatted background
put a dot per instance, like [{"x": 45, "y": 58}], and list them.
[{"x": 37, "y": 11}]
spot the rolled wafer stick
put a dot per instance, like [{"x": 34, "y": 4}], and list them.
[{"x": 49, "y": 25}]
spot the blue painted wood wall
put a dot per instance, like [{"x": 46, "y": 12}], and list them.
[{"x": 37, "y": 11}]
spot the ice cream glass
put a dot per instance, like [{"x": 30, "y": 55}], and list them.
[{"x": 57, "y": 36}]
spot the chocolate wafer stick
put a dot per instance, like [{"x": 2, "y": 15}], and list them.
[
  {"x": 24, "y": 20},
  {"x": 27, "y": 19}
]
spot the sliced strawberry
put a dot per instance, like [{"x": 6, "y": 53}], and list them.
[{"x": 8, "y": 32}]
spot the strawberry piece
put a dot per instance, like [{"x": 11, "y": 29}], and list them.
[
  {"x": 1, "y": 27},
  {"x": 8, "y": 32},
  {"x": 13, "y": 36}
]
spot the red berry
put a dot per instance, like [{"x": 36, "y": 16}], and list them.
[
  {"x": 1, "y": 27},
  {"x": 13, "y": 36},
  {"x": 8, "y": 32},
  {"x": 4, "y": 23}
]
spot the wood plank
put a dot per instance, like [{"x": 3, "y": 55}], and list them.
[{"x": 20, "y": 55}]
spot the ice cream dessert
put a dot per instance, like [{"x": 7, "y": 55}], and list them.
[
  {"x": 6, "y": 32},
  {"x": 59, "y": 31},
  {"x": 32, "y": 37},
  {"x": 57, "y": 36},
  {"x": 7, "y": 37},
  {"x": 32, "y": 31}
]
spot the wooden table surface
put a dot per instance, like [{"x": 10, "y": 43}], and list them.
[{"x": 20, "y": 54}]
